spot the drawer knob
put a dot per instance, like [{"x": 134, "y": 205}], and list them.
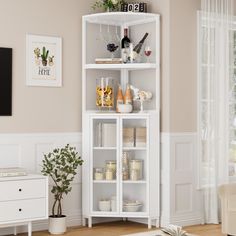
[
  {"x": 20, "y": 189},
  {"x": 20, "y": 209}
]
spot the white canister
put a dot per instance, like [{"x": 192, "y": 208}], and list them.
[
  {"x": 104, "y": 205},
  {"x": 113, "y": 203}
]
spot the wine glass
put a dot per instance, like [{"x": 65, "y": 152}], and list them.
[
  {"x": 147, "y": 52},
  {"x": 112, "y": 47},
  {"x": 112, "y": 41}
]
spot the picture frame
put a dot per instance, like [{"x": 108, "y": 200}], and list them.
[{"x": 43, "y": 61}]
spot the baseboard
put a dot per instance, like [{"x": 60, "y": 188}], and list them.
[
  {"x": 72, "y": 220},
  {"x": 181, "y": 221}
]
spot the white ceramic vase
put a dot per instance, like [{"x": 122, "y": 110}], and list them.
[{"x": 57, "y": 225}]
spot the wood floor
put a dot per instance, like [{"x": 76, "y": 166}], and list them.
[{"x": 120, "y": 228}]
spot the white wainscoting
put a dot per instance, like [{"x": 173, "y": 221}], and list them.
[
  {"x": 180, "y": 198},
  {"x": 26, "y": 150}
]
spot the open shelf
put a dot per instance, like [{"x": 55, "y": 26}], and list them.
[
  {"x": 104, "y": 148},
  {"x": 134, "y": 148},
  {"x": 134, "y": 182},
  {"x": 128, "y": 66},
  {"x": 121, "y": 18},
  {"x": 104, "y": 181}
]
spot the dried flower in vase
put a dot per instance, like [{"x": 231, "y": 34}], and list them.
[{"x": 141, "y": 95}]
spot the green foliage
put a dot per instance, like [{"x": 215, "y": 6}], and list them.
[
  {"x": 61, "y": 165},
  {"x": 108, "y": 4},
  {"x": 44, "y": 55}
]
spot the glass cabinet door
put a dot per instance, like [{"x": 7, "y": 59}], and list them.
[
  {"x": 134, "y": 162},
  {"x": 104, "y": 165}
]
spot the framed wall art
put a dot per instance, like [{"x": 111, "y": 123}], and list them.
[{"x": 43, "y": 61}]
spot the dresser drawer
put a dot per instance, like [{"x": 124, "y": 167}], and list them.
[
  {"x": 23, "y": 189},
  {"x": 22, "y": 210}
]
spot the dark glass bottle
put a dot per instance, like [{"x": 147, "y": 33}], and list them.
[
  {"x": 138, "y": 47},
  {"x": 125, "y": 41}
]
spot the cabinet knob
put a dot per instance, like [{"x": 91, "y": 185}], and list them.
[
  {"x": 20, "y": 189},
  {"x": 20, "y": 209}
]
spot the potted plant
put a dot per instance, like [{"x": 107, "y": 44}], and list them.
[
  {"x": 108, "y": 5},
  {"x": 61, "y": 165}
]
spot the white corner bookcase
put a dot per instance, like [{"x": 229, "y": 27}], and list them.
[{"x": 142, "y": 75}]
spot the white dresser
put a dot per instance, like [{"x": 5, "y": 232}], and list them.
[{"x": 22, "y": 200}]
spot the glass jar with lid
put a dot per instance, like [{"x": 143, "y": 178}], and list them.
[
  {"x": 105, "y": 93},
  {"x": 98, "y": 173},
  {"x": 136, "y": 169},
  {"x": 109, "y": 174},
  {"x": 111, "y": 166}
]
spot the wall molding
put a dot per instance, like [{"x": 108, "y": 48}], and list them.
[
  {"x": 26, "y": 150},
  {"x": 180, "y": 197},
  {"x": 177, "y": 149}
]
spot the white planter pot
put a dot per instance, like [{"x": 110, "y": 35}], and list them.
[{"x": 57, "y": 225}]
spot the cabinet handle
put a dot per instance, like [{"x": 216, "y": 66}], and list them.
[
  {"x": 20, "y": 209},
  {"x": 20, "y": 189}
]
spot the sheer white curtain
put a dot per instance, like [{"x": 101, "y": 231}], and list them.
[{"x": 215, "y": 76}]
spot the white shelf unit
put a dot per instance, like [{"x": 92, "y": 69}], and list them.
[{"x": 142, "y": 75}]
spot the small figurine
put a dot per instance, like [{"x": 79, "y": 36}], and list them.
[{"x": 141, "y": 96}]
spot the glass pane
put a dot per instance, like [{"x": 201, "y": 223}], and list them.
[
  {"x": 134, "y": 197},
  {"x": 104, "y": 132},
  {"x": 134, "y": 165},
  {"x": 104, "y": 165},
  {"x": 104, "y": 197}
]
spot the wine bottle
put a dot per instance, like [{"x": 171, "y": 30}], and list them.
[
  {"x": 119, "y": 98},
  {"x": 138, "y": 47},
  {"x": 128, "y": 96},
  {"x": 125, "y": 41},
  {"x": 124, "y": 45}
]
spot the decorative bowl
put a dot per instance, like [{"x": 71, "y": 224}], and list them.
[
  {"x": 125, "y": 108},
  {"x": 131, "y": 208}
]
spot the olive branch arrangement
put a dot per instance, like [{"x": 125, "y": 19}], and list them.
[{"x": 61, "y": 165}]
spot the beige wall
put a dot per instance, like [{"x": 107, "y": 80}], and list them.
[
  {"x": 38, "y": 109},
  {"x": 183, "y": 65}
]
